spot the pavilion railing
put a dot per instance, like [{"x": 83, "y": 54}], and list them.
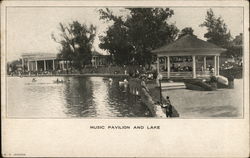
[
  {"x": 188, "y": 74},
  {"x": 203, "y": 73}
]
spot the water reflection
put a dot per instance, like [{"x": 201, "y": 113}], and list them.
[
  {"x": 100, "y": 97},
  {"x": 76, "y": 97},
  {"x": 79, "y": 96},
  {"x": 97, "y": 97}
]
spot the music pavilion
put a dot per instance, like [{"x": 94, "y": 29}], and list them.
[{"x": 188, "y": 52}]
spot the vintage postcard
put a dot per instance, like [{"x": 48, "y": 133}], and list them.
[{"x": 125, "y": 78}]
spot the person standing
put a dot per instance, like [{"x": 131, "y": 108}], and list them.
[
  {"x": 165, "y": 107},
  {"x": 169, "y": 107}
]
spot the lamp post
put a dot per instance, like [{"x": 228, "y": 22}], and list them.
[{"x": 160, "y": 78}]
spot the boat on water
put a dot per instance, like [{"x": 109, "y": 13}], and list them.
[
  {"x": 105, "y": 79},
  {"x": 59, "y": 81}
]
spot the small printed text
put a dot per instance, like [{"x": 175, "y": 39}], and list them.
[{"x": 111, "y": 127}]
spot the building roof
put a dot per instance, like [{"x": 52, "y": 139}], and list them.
[
  {"x": 189, "y": 45},
  {"x": 49, "y": 56},
  {"x": 39, "y": 56}
]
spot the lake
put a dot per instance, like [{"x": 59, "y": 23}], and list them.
[
  {"x": 76, "y": 97},
  {"x": 96, "y": 97}
]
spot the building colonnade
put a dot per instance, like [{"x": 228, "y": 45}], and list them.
[{"x": 45, "y": 65}]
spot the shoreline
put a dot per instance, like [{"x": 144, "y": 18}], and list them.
[{"x": 70, "y": 75}]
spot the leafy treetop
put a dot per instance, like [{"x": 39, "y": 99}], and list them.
[
  {"x": 217, "y": 32},
  {"x": 76, "y": 42},
  {"x": 131, "y": 38}
]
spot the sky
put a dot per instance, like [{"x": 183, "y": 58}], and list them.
[{"x": 29, "y": 29}]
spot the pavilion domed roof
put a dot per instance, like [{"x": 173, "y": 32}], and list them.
[{"x": 188, "y": 44}]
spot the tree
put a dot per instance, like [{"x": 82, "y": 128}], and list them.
[
  {"x": 76, "y": 42},
  {"x": 238, "y": 40},
  {"x": 116, "y": 40},
  {"x": 141, "y": 30},
  {"x": 148, "y": 29},
  {"x": 236, "y": 47},
  {"x": 217, "y": 30},
  {"x": 186, "y": 31},
  {"x": 14, "y": 64}
]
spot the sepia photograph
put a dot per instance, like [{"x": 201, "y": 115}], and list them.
[{"x": 89, "y": 62}]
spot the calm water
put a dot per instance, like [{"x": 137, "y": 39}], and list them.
[
  {"x": 78, "y": 97},
  {"x": 98, "y": 98}
]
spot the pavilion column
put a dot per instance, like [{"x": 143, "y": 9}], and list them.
[
  {"x": 33, "y": 65},
  {"x": 218, "y": 65},
  {"x": 215, "y": 66},
  {"x": 168, "y": 58},
  {"x": 59, "y": 65},
  {"x": 44, "y": 65},
  {"x": 62, "y": 65},
  {"x": 165, "y": 64},
  {"x": 194, "y": 66},
  {"x": 23, "y": 64},
  {"x": 158, "y": 65},
  {"x": 53, "y": 64},
  {"x": 36, "y": 64},
  {"x": 28, "y": 65},
  {"x": 205, "y": 63}
]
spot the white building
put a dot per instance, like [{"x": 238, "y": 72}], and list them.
[{"x": 42, "y": 62}]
